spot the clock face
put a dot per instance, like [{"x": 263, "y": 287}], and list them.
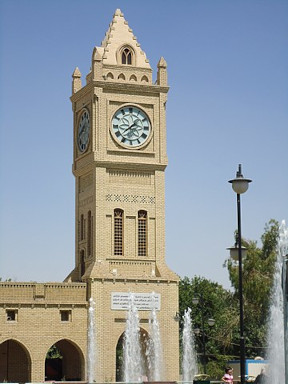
[
  {"x": 83, "y": 131},
  {"x": 131, "y": 127}
]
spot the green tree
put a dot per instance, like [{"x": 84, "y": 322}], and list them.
[
  {"x": 53, "y": 353},
  {"x": 222, "y": 341},
  {"x": 258, "y": 271},
  {"x": 214, "y": 302}
]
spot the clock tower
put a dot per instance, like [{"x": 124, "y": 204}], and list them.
[{"x": 119, "y": 161}]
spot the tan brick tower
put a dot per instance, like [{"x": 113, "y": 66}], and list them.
[{"x": 119, "y": 167}]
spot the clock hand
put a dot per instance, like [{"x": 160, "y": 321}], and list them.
[
  {"x": 135, "y": 124},
  {"x": 136, "y": 121},
  {"x": 132, "y": 128},
  {"x": 82, "y": 130},
  {"x": 125, "y": 130},
  {"x": 125, "y": 122},
  {"x": 128, "y": 128}
]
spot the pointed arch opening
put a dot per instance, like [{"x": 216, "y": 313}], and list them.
[
  {"x": 126, "y": 56},
  {"x": 15, "y": 362},
  {"x": 120, "y": 356},
  {"x": 133, "y": 78},
  {"x": 64, "y": 361},
  {"x": 144, "y": 79},
  {"x": 121, "y": 76}
]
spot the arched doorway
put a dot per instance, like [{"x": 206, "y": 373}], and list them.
[
  {"x": 120, "y": 363},
  {"x": 15, "y": 363},
  {"x": 64, "y": 361}
]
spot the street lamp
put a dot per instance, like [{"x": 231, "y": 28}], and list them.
[
  {"x": 240, "y": 185},
  {"x": 201, "y": 331}
]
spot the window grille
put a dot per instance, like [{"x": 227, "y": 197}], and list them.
[
  {"x": 118, "y": 232},
  {"x": 142, "y": 233}
]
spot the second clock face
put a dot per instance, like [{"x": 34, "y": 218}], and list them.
[
  {"x": 131, "y": 126},
  {"x": 83, "y": 131}
]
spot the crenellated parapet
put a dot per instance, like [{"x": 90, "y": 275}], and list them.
[{"x": 12, "y": 293}]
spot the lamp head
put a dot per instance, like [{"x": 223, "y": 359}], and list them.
[
  {"x": 239, "y": 184},
  {"x": 195, "y": 300},
  {"x": 211, "y": 322},
  {"x": 234, "y": 252}
]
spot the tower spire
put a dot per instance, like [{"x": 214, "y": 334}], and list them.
[{"x": 118, "y": 35}]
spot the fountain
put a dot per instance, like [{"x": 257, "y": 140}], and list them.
[
  {"x": 189, "y": 361},
  {"x": 154, "y": 347},
  {"x": 91, "y": 342},
  {"x": 133, "y": 371},
  {"x": 143, "y": 357},
  {"x": 142, "y": 353},
  {"x": 276, "y": 352}
]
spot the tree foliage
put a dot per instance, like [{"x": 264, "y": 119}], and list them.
[
  {"x": 214, "y": 302},
  {"x": 222, "y": 340},
  {"x": 54, "y": 353},
  {"x": 258, "y": 271}
]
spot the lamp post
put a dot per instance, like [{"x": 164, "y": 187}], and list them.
[
  {"x": 240, "y": 185},
  {"x": 198, "y": 331}
]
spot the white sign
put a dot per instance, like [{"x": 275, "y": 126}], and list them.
[{"x": 142, "y": 301}]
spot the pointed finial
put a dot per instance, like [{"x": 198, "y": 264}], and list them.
[
  {"x": 96, "y": 54},
  {"x": 118, "y": 35},
  {"x": 76, "y": 82},
  {"x": 118, "y": 12},
  {"x": 162, "y": 63},
  {"x": 76, "y": 73},
  {"x": 162, "y": 72}
]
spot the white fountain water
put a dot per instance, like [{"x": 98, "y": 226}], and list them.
[
  {"x": 154, "y": 348},
  {"x": 276, "y": 349},
  {"x": 91, "y": 342},
  {"x": 133, "y": 371},
  {"x": 189, "y": 360}
]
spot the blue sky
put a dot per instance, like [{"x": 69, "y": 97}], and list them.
[{"x": 227, "y": 104}]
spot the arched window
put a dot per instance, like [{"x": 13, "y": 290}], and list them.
[
  {"x": 82, "y": 228},
  {"x": 110, "y": 76},
  {"x": 126, "y": 57},
  {"x": 89, "y": 234},
  {"x": 142, "y": 233},
  {"x": 121, "y": 77},
  {"x": 133, "y": 78},
  {"x": 118, "y": 232},
  {"x": 82, "y": 262}
]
